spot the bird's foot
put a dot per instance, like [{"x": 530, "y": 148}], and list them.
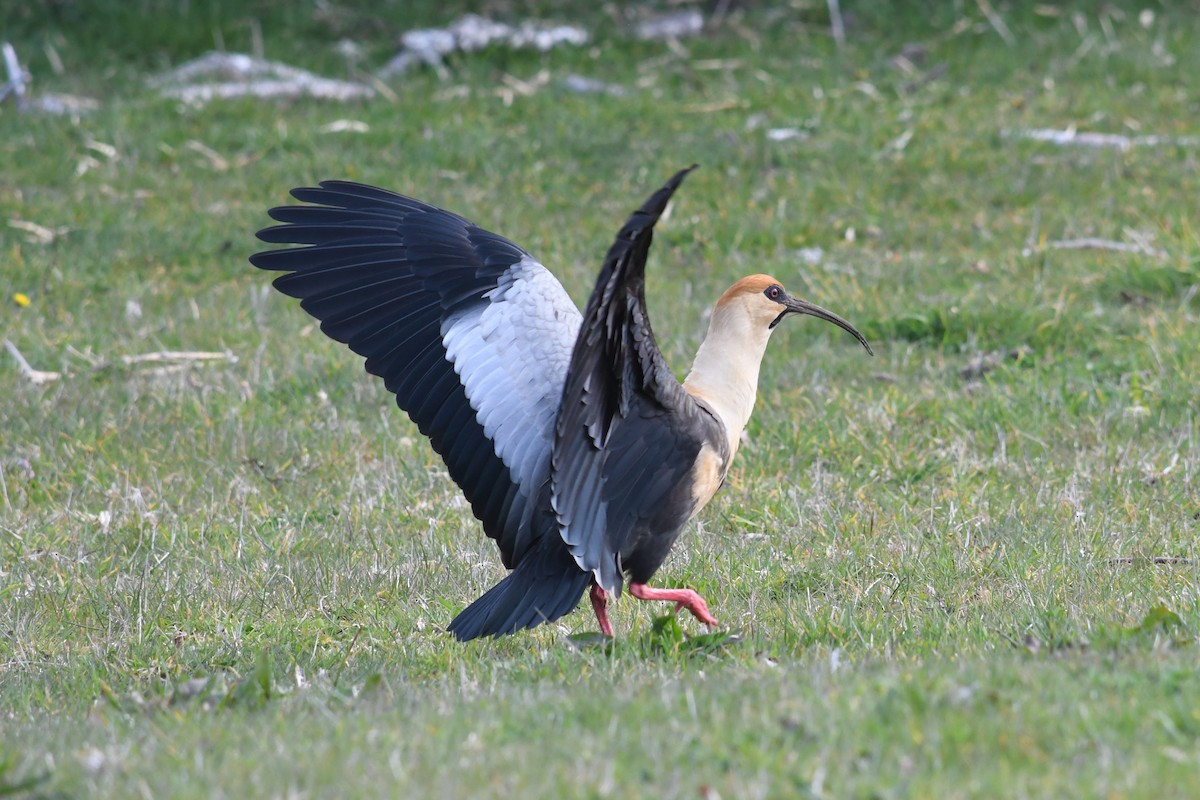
[
  {"x": 683, "y": 598},
  {"x": 599, "y": 599}
]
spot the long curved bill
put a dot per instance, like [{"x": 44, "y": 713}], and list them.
[{"x": 794, "y": 305}]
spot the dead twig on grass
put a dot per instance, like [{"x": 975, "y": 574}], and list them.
[
  {"x": 837, "y": 26},
  {"x": 675, "y": 25},
  {"x": 177, "y": 357},
  {"x": 17, "y": 76},
  {"x": 228, "y": 75},
  {"x": 997, "y": 22},
  {"x": 1071, "y": 137},
  {"x": 471, "y": 33},
  {"x": 35, "y": 376},
  {"x": 1091, "y": 243},
  {"x": 19, "y": 81},
  {"x": 167, "y": 360},
  {"x": 38, "y": 234}
]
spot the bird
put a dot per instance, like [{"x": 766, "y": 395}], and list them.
[{"x": 577, "y": 448}]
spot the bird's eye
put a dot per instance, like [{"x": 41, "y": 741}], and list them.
[{"x": 774, "y": 292}]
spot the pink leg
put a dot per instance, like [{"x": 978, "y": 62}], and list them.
[
  {"x": 599, "y": 599},
  {"x": 683, "y": 598}
]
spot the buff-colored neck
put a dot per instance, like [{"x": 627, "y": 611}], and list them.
[{"x": 725, "y": 372}]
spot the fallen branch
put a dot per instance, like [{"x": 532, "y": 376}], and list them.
[
  {"x": 18, "y": 84},
  {"x": 35, "y": 376},
  {"x": 345, "y": 126},
  {"x": 581, "y": 84},
  {"x": 229, "y": 67},
  {"x": 1070, "y": 136},
  {"x": 60, "y": 105},
  {"x": 318, "y": 88},
  {"x": 177, "y": 357},
  {"x": 38, "y": 234},
  {"x": 837, "y": 25},
  {"x": 241, "y": 75},
  {"x": 215, "y": 159},
  {"x": 472, "y": 32},
  {"x": 17, "y": 77},
  {"x": 675, "y": 25},
  {"x": 1088, "y": 243},
  {"x": 997, "y": 22},
  {"x": 786, "y": 134}
]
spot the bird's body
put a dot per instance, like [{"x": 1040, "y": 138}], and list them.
[{"x": 577, "y": 448}]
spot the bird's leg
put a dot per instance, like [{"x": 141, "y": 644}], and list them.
[
  {"x": 599, "y": 599},
  {"x": 683, "y": 598}
]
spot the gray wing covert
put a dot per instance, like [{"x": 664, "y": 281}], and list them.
[{"x": 442, "y": 310}]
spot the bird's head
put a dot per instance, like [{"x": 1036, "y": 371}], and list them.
[{"x": 763, "y": 302}]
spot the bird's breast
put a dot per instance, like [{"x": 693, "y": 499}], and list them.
[{"x": 708, "y": 473}]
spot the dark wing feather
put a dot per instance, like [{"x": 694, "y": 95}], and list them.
[
  {"x": 626, "y": 434},
  {"x": 471, "y": 334}
]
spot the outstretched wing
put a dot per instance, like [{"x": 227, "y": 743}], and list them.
[
  {"x": 470, "y": 333},
  {"x": 619, "y": 449}
]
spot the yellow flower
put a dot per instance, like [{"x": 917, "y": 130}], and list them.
[{"x": 21, "y": 299}]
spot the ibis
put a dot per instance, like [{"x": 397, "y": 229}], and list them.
[{"x": 577, "y": 448}]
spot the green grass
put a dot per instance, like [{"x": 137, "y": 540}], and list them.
[{"x": 233, "y": 579}]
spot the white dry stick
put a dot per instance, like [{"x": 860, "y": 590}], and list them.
[
  {"x": 345, "y": 126},
  {"x": 102, "y": 148},
  {"x": 472, "y": 32},
  {"x": 1089, "y": 243},
  {"x": 319, "y": 88},
  {"x": 4, "y": 492},
  {"x": 16, "y": 76},
  {"x": 226, "y": 66},
  {"x": 785, "y": 134},
  {"x": 997, "y": 22},
  {"x": 1070, "y": 136},
  {"x": 36, "y": 376},
  {"x": 673, "y": 26},
  {"x": 177, "y": 356},
  {"x": 19, "y": 79},
  {"x": 38, "y": 234},
  {"x": 836, "y": 24},
  {"x": 581, "y": 84},
  {"x": 63, "y": 104},
  {"x": 241, "y": 75},
  {"x": 215, "y": 159}
]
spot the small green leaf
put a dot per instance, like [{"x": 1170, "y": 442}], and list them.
[
  {"x": 666, "y": 632},
  {"x": 256, "y": 688},
  {"x": 373, "y": 683},
  {"x": 1158, "y": 617}
]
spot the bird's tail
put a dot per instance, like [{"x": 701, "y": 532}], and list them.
[{"x": 545, "y": 586}]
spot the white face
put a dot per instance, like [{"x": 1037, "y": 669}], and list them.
[{"x": 774, "y": 304}]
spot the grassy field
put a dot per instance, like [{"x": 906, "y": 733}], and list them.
[{"x": 964, "y": 568}]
